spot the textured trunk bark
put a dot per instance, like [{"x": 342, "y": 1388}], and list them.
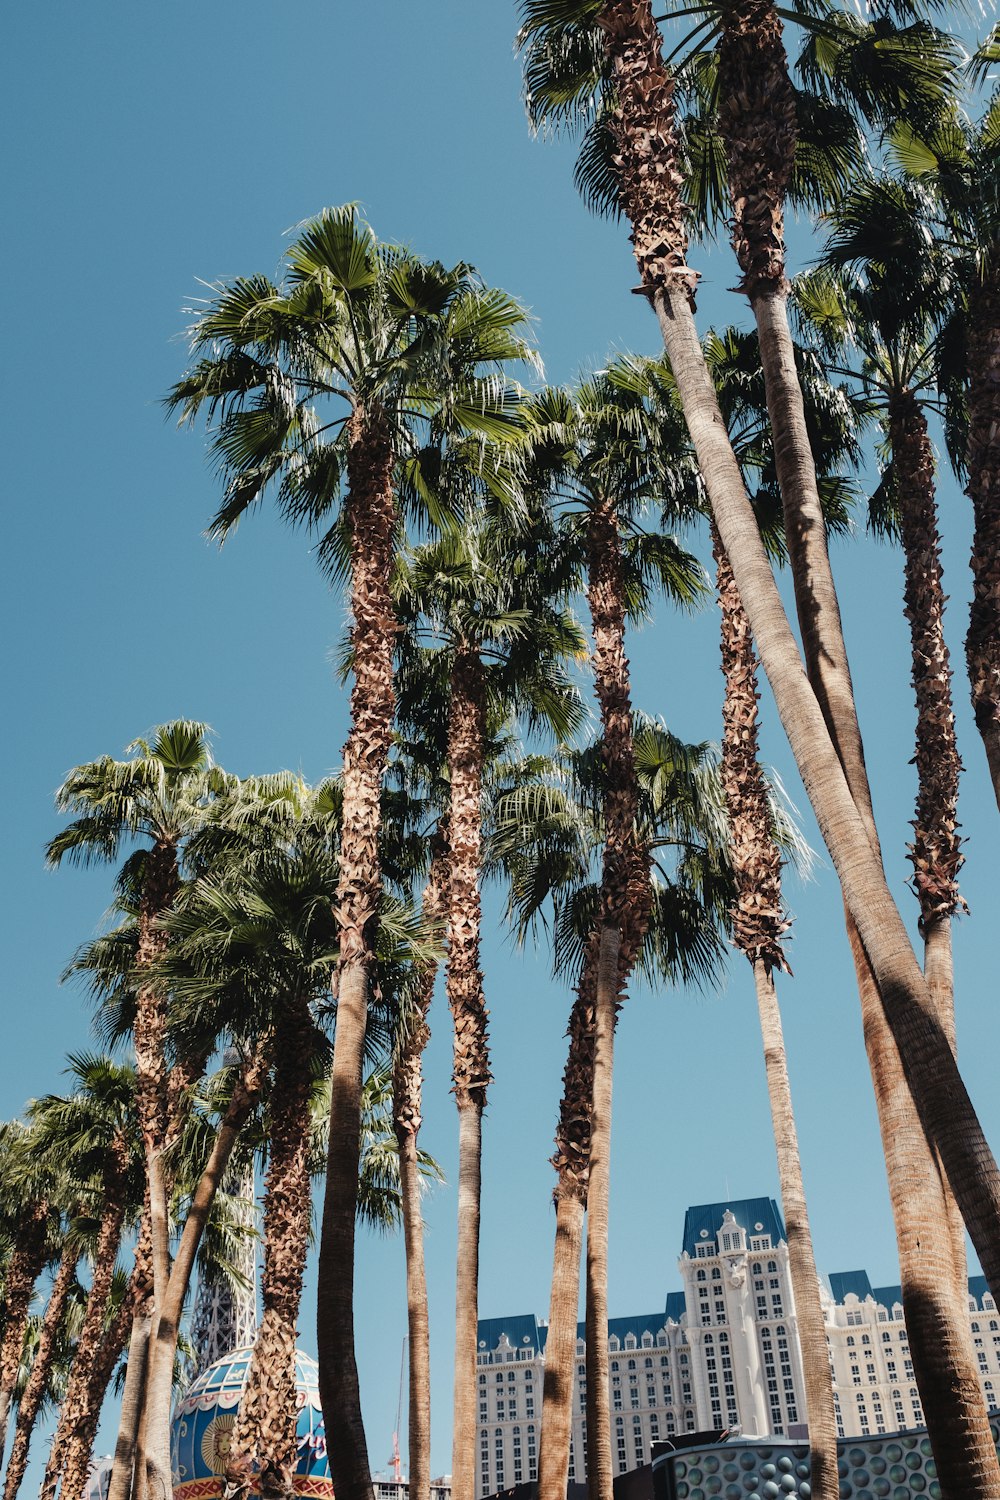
[
  {"x": 80, "y": 1447},
  {"x": 31, "y": 1400},
  {"x": 264, "y": 1441},
  {"x": 471, "y": 1066},
  {"x": 982, "y": 643},
  {"x": 160, "y": 882},
  {"x": 560, "y": 1347},
  {"x": 407, "y": 1110},
  {"x": 79, "y": 1389},
  {"x": 371, "y": 515},
  {"x": 572, "y": 1163},
  {"x": 600, "y": 1480},
  {"x": 23, "y": 1271},
  {"x": 759, "y": 923},
  {"x": 126, "y": 1454},
  {"x": 159, "y": 1381},
  {"x": 822, "y": 1418}
]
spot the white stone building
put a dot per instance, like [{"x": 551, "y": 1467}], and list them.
[{"x": 724, "y": 1351}]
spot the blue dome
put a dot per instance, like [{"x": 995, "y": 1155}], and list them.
[{"x": 206, "y": 1416}]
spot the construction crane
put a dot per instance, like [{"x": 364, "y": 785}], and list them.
[{"x": 395, "y": 1461}]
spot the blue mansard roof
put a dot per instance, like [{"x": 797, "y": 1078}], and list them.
[
  {"x": 523, "y": 1331},
  {"x": 748, "y": 1213},
  {"x": 843, "y": 1283}
]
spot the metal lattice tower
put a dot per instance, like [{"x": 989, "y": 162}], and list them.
[{"x": 225, "y": 1316}]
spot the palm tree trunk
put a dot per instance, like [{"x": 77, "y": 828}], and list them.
[
  {"x": 470, "y": 1121},
  {"x": 155, "y": 1419},
  {"x": 624, "y": 910},
  {"x": 572, "y": 1163},
  {"x": 600, "y": 1480},
  {"x": 407, "y": 1107},
  {"x": 141, "y": 1302},
  {"x": 80, "y": 1447},
  {"x": 982, "y": 643},
  {"x": 34, "y": 1391},
  {"x": 759, "y": 924},
  {"x": 371, "y": 514},
  {"x": 802, "y": 1262},
  {"x": 160, "y": 882},
  {"x": 560, "y": 1347},
  {"x": 23, "y": 1270},
  {"x": 471, "y": 1068},
  {"x": 265, "y": 1438},
  {"x": 76, "y": 1401}
]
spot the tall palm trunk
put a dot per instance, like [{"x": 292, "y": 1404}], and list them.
[
  {"x": 141, "y": 1312},
  {"x": 982, "y": 643},
  {"x": 936, "y": 852},
  {"x": 154, "y": 1444},
  {"x": 76, "y": 1402},
  {"x": 41, "y": 1367},
  {"x": 407, "y": 1107},
  {"x": 23, "y": 1270},
  {"x": 758, "y": 926},
  {"x": 572, "y": 1164},
  {"x": 624, "y": 906},
  {"x": 264, "y": 1442},
  {"x": 371, "y": 516},
  {"x": 160, "y": 882},
  {"x": 80, "y": 1447},
  {"x": 471, "y": 1067},
  {"x": 645, "y": 114}
]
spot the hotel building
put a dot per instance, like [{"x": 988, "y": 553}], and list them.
[{"x": 724, "y": 1351}]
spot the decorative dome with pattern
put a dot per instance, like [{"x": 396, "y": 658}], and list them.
[{"x": 206, "y": 1416}]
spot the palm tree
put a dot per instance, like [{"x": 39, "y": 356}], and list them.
[
  {"x": 51, "y": 1346},
  {"x": 46, "y": 1350},
  {"x": 254, "y": 942},
  {"x": 644, "y": 127},
  {"x": 549, "y": 841},
  {"x": 489, "y": 600},
  {"x": 954, "y": 161},
  {"x": 415, "y": 355},
  {"x": 603, "y": 452},
  {"x": 94, "y": 1129},
  {"x": 759, "y": 923},
  {"x": 29, "y": 1216},
  {"x": 159, "y": 797}
]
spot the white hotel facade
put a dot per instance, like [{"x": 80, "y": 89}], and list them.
[{"x": 724, "y": 1350}]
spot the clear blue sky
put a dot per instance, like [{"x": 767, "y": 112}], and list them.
[{"x": 148, "y": 147}]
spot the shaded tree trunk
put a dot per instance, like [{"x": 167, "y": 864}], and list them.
[
  {"x": 572, "y": 1164},
  {"x": 264, "y": 1441},
  {"x": 371, "y": 516},
  {"x": 23, "y": 1270},
  {"x": 79, "y": 1390},
  {"x": 982, "y": 643},
  {"x": 471, "y": 1067},
  {"x": 407, "y": 1107},
  {"x": 759, "y": 924},
  {"x": 41, "y": 1367},
  {"x": 127, "y": 1441},
  {"x": 159, "y": 889}
]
